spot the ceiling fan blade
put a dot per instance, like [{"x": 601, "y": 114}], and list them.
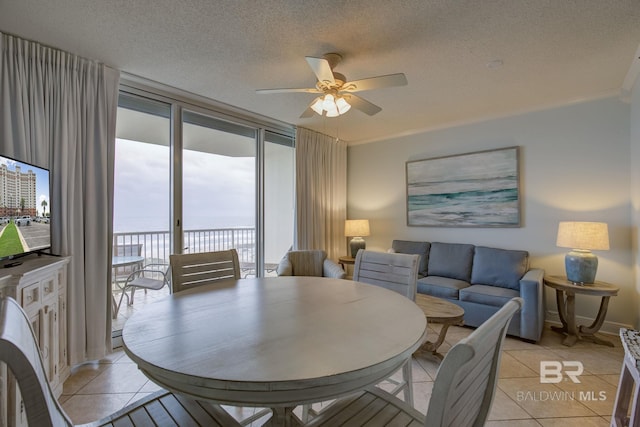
[
  {"x": 321, "y": 69},
  {"x": 375, "y": 83},
  {"x": 363, "y": 105},
  {"x": 287, "y": 90},
  {"x": 309, "y": 111}
]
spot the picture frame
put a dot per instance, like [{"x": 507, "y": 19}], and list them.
[{"x": 477, "y": 189}]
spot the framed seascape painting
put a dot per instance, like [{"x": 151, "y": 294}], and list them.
[{"x": 478, "y": 189}]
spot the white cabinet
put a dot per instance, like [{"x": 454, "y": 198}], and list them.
[{"x": 39, "y": 285}]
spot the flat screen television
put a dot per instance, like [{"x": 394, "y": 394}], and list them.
[{"x": 24, "y": 209}]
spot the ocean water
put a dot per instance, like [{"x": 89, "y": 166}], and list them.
[{"x": 487, "y": 202}]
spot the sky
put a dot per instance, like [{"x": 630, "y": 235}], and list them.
[
  {"x": 218, "y": 191},
  {"x": 42, "y": 180}
]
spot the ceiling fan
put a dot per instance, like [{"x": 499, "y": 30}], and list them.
[{"x": 337, "y": 93}]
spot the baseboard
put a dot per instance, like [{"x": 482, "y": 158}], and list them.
[{"x": 608, "y": 327}]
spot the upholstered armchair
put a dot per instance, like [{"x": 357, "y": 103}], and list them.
[{"x": 309, "y": 263}]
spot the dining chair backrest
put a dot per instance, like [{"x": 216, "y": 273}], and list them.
[
  {"x": 462, "y": 393},
  {"x": 19, "y": 350},
  {"x": 465, "y": 384},
  {"x": 394, "y": 271},
  {"x": 190, "y": 270}
]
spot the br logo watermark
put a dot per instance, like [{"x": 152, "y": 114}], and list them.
[{"x": 554, "y": 372}]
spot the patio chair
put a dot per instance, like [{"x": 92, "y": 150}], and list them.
[
  {"x": 463, "y": 390},
  {"x": 309, "y": 263},
  {"x": 399, "y": 273},
  {"x": 153, "y": 276},
  {"x": 197, "y": 269},
  {"x": 19, "y": 351},
  {"x": 121, "y": 273}
]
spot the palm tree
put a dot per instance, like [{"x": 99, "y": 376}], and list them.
[{"x": 44, "y": 207}]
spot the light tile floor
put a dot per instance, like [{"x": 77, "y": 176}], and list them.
[{"x": 98, "y": 389}]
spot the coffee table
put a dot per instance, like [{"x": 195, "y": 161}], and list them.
[{"x": 438, "y": 310}]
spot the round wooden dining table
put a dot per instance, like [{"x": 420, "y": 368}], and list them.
[{"x": 275, "y": 342}]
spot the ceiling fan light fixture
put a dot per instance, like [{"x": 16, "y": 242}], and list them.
[
  {"x": 317, "y": 105},
  {"x": 333, "y": 113},
  {"x": 343, "y": 105},
  {"x": 329, "y": 102},
  {"x": 330, "y": 105}
]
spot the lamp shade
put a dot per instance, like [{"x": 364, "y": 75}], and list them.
[
  {"x": 583, "y": 235},
  {"x": 356, "y": 227}
]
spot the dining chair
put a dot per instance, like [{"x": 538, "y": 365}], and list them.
[
  {"x": 201, "y": 268},
  {"x": 399, "y": 273},
  {"x": 153, "y": 276},
  {"x": 311, "y": 262},
  {"x": 463, "y": 390},
  {"x": 20, "y": 352},
  {"x": 396, "y": 272}
]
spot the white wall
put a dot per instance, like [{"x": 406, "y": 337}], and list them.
[
  {"x": 635, "y": 183},
  {"x": 574, "y": 165}
]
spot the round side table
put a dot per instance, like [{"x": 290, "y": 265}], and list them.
[
  {"x": 565, "y": 298},
  {"x": 346, "y": 260}
]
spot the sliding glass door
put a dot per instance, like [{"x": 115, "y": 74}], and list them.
[
  {"x": 190, "y": 179},
  {"x": 219, "y": 187},
  {"x": 142, "y": 189}
]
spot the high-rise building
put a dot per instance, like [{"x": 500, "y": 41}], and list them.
[{"x": 17, "y": 192}]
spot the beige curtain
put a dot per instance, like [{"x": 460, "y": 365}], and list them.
[
  {"x": 58, "y": 111},
  {"x": 321, "y": 192}
]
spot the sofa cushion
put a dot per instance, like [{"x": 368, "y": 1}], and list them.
[
  {"x": 488, "y": 295},
  {"x": 499, "y": 267},
  {"x": 452, "y": 260},
  {"x": 441, "y": 287},
  {"x": 411, "y": 248}
]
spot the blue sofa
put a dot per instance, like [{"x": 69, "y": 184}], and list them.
[{"x": 481, "y": 280}]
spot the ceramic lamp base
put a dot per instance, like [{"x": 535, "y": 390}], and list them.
[
  {"x": 581, "y": 266},
  {"x": 355, "y": 245}
]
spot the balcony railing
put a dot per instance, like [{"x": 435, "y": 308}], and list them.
[{"x": 156, "y": 246}]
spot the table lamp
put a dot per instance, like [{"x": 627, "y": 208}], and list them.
[
  {"x": 356, "y": 228},
  {"x": 582, "y": 237}
]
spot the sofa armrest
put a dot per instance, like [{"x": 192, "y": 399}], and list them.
[
  {"x": 285, "y": 268},
  {"x": 331, "y": 269},
  {"x": 532, "y": 311}
]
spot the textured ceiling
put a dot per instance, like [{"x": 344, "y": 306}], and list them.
[{"x": 552, "y": 52}]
